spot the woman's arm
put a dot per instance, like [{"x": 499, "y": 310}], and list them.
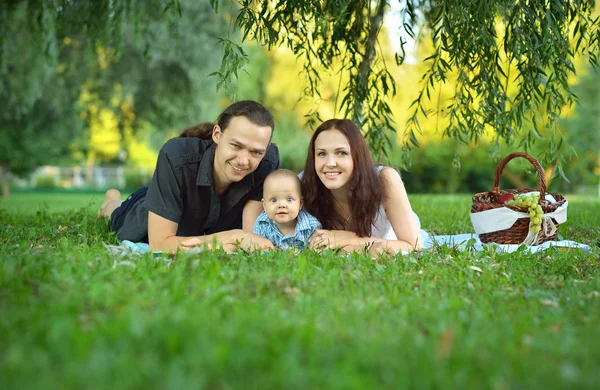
[
  {"x": 349, "y": 241},
  {"x": 398, "y": 211},
  {"x": 400, "y": 214}
]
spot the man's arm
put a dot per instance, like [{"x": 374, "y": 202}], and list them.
[
  {"x": 162, "y": 236},
  {"x": 230, "y": 240},
  {"x": 252, "y": 210}
]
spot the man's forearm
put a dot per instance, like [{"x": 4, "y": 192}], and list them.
[{"x": 172, "y": 244}]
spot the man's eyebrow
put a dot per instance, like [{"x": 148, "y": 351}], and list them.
[{"x": 243, "y": 145}]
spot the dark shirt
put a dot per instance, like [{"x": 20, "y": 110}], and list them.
[{"x": 182, "y": 191}]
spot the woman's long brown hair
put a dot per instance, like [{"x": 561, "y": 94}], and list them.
[{"x": 366, "y": 192}]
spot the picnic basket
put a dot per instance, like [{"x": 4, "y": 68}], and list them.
[{"x": 517, "y": 233}]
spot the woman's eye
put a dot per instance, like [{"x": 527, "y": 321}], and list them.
[
  {"x": 321, "y": 154},
  {"x": 343, "y": 153}
]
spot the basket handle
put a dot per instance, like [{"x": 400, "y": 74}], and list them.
[{"x": 529, "y": 158}]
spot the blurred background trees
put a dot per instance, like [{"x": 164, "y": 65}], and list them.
[{"x": 105, "y": 83}]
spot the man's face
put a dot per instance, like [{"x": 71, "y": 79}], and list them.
[
  {"x": 240, "y": 148},
  {"x": 282, "y": 199}
]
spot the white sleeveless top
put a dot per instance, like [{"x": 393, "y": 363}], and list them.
[{"x": 382, "y": 228}]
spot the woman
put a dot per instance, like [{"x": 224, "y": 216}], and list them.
[{"x": 360, "y": 205}]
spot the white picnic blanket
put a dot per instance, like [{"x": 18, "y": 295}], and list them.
[
  {"x": 472, "y": 241},
  {"x": 461, "y": 241}
]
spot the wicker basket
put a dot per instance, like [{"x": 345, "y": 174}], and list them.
[{"x": 517, "y": 233}]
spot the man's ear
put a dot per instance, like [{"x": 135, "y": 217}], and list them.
[{"x": 216, "y": 134}]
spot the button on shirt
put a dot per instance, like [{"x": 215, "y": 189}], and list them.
[
  {"x": 305, "y": 227},
  {"x": 182, "y": 191}
]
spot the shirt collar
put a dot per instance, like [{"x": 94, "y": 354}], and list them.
[
  {"x": 300, "y": 224},
  {"x": 205, "y": 170}
]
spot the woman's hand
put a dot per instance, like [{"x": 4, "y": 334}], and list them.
[{"x": 324, "y": 239}]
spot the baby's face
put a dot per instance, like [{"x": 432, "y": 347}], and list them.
[{"x": 282, "y": 199}]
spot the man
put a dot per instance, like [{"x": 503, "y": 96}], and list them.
[{"x": 205, "y": 190}]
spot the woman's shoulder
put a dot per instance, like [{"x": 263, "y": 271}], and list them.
[
  {"x": 386, "y": 171},
  {"x": 389, "y": 177}
]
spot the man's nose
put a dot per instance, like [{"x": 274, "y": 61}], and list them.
[{"x": 242, "y": 157}]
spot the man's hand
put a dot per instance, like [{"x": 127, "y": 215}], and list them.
[
  {"x": 251, "y": 242},
  {"x": 230, "y": 241}
]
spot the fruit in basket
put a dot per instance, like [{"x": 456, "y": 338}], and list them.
[
  {"x": 505, "y": 197},
  {"x": 533, "y": 208}
]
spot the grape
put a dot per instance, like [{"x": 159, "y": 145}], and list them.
[{"x": 533, "y": 208}]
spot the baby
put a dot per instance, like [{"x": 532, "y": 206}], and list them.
[{"x": 283, "y": 221}]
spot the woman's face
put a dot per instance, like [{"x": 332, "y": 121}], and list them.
[{"x": 333, "y": 160}]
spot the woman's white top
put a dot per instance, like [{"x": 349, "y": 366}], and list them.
[{"x": 382, "y": 228}]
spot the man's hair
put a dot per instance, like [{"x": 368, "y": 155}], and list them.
[
  {"x": 281, "y": 173},
  {"x": 198, "y": 130},
  {"x": 255, "y": 112}
]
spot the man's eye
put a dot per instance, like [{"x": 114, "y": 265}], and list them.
[
  {"x": 235, "y": 146},
  {"x": 258, "y": 154}
]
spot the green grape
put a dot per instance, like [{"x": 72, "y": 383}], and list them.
[{"x": 531, "y": 202}]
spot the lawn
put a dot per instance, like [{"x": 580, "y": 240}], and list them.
[{"x": 74, "y": 316}]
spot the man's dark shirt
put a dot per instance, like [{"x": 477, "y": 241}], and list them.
[{"x": 182, "y": 191}]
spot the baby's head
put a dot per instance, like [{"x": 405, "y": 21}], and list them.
[{"x": 282, "y": 196}]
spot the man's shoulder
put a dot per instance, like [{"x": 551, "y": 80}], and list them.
[
  {"x": 272, "y": 155},
  {"x": 268, "y": 164},
  {"x": 183, "y": 150}
]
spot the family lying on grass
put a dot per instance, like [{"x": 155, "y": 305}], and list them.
[{"x": 218, "y": 185}]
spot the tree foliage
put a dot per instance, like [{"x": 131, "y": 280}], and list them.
[
  {"x": 74, "y": 71},
  {"x": 481, "y": 46}
]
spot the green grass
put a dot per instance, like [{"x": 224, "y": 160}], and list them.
[
  {"x": 30, "y": 203},
  {"x": 73, "y": 316}
]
